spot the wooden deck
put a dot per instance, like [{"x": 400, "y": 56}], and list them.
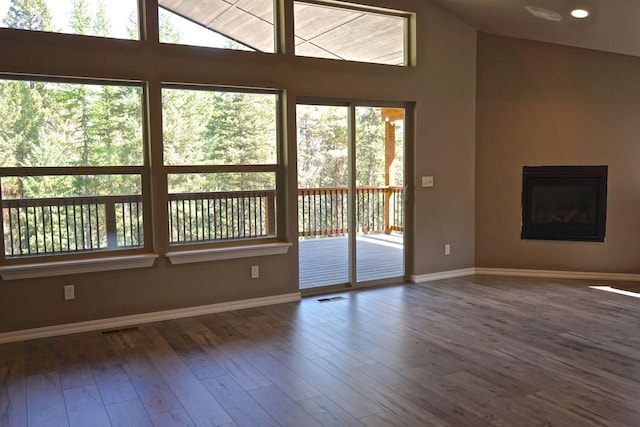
[{"x": 323, "y": 261}]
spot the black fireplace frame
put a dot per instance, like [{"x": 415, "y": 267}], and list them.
[{"x": 592, "y": 178}]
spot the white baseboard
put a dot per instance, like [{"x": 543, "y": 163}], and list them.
[
  {"x": 136, "y": 319},
  {"x": 557, "y": 274},
  {"x": 421, "y": 278},
  {"x": 118, "y": 322},
  {"x": 552, "y": 274}
]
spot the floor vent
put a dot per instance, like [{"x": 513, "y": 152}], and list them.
[
  {"x": 332, "y": 299},
  {"x": 119, "y": 330}
]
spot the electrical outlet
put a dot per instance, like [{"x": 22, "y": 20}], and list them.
[
  {"x": 69, "y": 292},
  {"x": 255, "y": 272},
  {"x": 427, "y": 181},
  {"x": 447, "y": 249}
]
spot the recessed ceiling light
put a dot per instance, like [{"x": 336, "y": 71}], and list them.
[
  {"x": 579, "y": 13},
  {"x": 542, "y": 13}
]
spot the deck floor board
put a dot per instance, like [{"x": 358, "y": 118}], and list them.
[{"x": 324, "y": 261}]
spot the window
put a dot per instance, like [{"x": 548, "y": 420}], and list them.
[
  {"x": 221, "y": 156},
  {"x": 350, "y": 33},
  {"x": 71, "y": 173},
  {"x": 101, "y": 18},
  {"x": 241, "y": 25}
]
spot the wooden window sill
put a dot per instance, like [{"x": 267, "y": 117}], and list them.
[
  {"x": 231, "y": 252},
  {"x": 61, "y": 268}
]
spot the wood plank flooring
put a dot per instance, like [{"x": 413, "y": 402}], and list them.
[{"x": 472, "y": 351}]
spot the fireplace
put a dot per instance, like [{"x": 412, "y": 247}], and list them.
[{"x": 564, "y": 203}]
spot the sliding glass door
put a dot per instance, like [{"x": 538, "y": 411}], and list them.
[
  {"x": 323, "y": 181},
  {"x": 350, "y": 193},
  {"x": 379, "y": 205}
]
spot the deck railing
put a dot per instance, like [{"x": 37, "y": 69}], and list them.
[
  {"x": 71, "y": 224},
  {"x": 323, "y": 211},
  {"x": 77, "y": 224},
  {"x": 225, "y": 215}
]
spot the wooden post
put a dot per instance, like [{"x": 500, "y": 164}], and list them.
[
  {"x": 389, "y": 156},
  {"x": 389, "y": 116},
  {"x": 270, "y": 212},
  {"x": 110, "y": 220},
  {"x": 2, "y": 216}
]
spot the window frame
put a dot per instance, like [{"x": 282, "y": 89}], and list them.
[
  {"x": 409, "y": 59},
  {"x": 141, "y": 27},
  {"x": 277, "y": 6},
  {"x": 207, "y": 250},
  {"x": 89, "y": 256}
]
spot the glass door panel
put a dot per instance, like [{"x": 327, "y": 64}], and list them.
[
  {"x": 323, "y": 173},
  {"x": 379, "y": 164}
]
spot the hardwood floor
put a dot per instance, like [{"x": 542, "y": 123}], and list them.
[{"x": 472, "y": 351}]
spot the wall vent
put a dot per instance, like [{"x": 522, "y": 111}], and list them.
[
  {"x": 331, "y": 299},
  {"x": 119, "y": 330}
]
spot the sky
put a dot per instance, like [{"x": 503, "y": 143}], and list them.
[{"x": 118, "y": 12}]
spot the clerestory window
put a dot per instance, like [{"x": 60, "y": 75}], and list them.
[
  {"x": 239, "y": 25},
  {"x": 352, "y": 33},
  {"x": 99, "y": 18},
  {"x": 331, "y": 30}
]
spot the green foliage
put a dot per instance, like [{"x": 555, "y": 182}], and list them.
[
  {"x": 56, "y": 124},
  {"x": 168, "y": 33},
  {"x": 218, "y": 128},
  {"x": 242, "y": 129},
  {"x": 184, "y": 115},
  {"x": 29, "y": 15},
  {"x": 370, "y": 148},
  {"x": 23, "y": 119},
  {"x": 322, "y": 146},
  {"x": 61, "y": 124},
  {"x": 101, "y": 24},
  {"x": 35, "y": 15},
  {"x": 83, "y": 21},
  {"x": 80, "y": 18},
  {"x": 323, "y": 152}
]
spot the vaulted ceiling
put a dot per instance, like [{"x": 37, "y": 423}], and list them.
[{"x": 613, "y": 26}]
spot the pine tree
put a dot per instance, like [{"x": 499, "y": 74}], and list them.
[
  {"x": 101, "y": 24},
  {"x": 370, "y": 147},
  {"x": 22, "y": 103},
  {"x": 116, "y": 125},
  {"x": 80, "y": 17},
  {"x": 23, "y": 125},
  {"x": 168, "y": 32},
  {"x": 241, "y": 131},
  {"x": 322, "y": 146},
  {"x": 29, "y": 15}
]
